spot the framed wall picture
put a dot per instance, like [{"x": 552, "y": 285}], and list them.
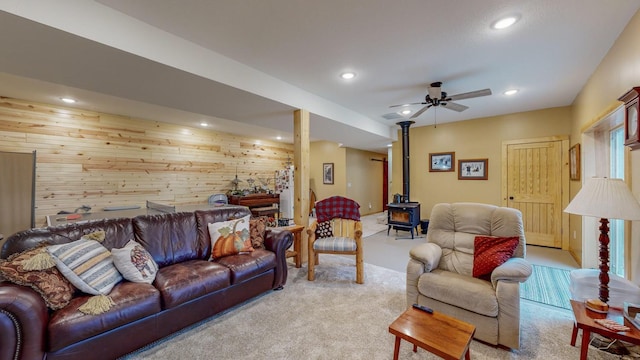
[
  {"x": 442, "y": 161},
  {"x": 574, "y": 162},
  {"x": 327, "y": 173},
  {"x": 473, "y": 169}
]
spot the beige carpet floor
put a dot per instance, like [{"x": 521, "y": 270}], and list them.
[{"x": 334, "y": 318}]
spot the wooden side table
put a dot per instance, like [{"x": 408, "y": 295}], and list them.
[
  {"x": 585, "y": 321},
  {"x": 442, "y": 335},
  {"x": 296, "y": 253}
]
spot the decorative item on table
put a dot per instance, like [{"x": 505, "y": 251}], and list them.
[
  {"x": 235, "y": 182},
  {"x": 606, "y": 199},
  {"x": 631, "y": 312},
  {"x": 272, "y": 222},
  {"x": 264, "y": 184},
  {"x": 597, "y": 305},
  {"x": 612, "y": 325},
  {"x": 250, "y": 181}
]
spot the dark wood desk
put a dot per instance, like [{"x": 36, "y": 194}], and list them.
[
  {"x": 585, "y": 321},
  {"x": 259, "y": 204}
]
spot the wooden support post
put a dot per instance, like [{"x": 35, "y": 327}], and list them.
[{"x": 301, "y": 173}]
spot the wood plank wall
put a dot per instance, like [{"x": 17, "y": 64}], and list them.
[{"x": 100, "y": 160}]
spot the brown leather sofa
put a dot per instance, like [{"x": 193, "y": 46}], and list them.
[{"x": 188, "y": 288}]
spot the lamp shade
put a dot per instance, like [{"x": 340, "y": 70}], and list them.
[{"x": 605, "y": 198}]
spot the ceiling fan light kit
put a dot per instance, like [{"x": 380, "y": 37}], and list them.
[{"x": 437, "y": 97}]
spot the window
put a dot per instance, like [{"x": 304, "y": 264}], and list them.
[
  {"x": 604, "y": 156},
  {"x": 616, "y": 227}
]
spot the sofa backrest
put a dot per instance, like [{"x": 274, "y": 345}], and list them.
[
  {"x": 454, "y": 227},
  {"x": 117, "y": 233},
  {"x": 170, "y": 238}
]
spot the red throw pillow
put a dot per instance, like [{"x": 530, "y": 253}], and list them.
[{"x": 491, "y": 252}]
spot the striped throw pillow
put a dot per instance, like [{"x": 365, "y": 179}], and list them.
[{"x": 87, "y": 265}]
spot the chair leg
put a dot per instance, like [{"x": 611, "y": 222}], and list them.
[
  {"x": 311, "y": 275},
  {"x": 359, "y": 267}
]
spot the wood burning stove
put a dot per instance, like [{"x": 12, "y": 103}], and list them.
[{"x": 404, "y": 215}]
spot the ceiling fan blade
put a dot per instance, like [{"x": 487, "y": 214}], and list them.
[
  {"x": 419, "y": 112},
  {"x": 417, "y": 103},
  {"x": 453, "y": 106},
  {"x": 469, "y": 95}
]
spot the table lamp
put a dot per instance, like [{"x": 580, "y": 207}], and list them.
[{"x": 606, "y": 199}]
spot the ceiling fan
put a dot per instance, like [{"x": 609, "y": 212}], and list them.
[{"x": 437, "y": 97}]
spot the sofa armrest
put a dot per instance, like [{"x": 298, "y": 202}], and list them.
[
  {"x": 422, "y": 259},
  {"x": 514, "y": 269},
  {"x": 23, "y": 322},
  {"x": 428, "y": 254},
  {"x": 279, "y": 242}
]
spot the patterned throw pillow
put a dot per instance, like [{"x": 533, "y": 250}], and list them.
[
  {"x": 323, "y": 230},
  {"x": 135, "y": 263},
  {"x": 491, "y": 252},
  {"x": 230, "y": 237},
  {"x": 257, "y": 228},
  {"x": 87, "y": 265},
  {"x": 54, "y": 288}
]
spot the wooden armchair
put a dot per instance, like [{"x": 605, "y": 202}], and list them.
[{"x": 338, "y": 230}]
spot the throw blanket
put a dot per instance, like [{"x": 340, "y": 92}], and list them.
[{"x": 337, "y": 207}]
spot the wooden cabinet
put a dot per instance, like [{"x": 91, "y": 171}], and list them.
[{"x": 259, "y": 204}]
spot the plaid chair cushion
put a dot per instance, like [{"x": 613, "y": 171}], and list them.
[{"x": 335, "y": 244}]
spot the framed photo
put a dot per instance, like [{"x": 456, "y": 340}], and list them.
[
  {"x": 327, "y": 173},
  {"x": 574, "y": 162},
  {"x": 442, "y": 161},
  {"x": 473, "y": 169}
]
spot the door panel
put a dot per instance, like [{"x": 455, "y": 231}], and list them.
[{"x": 534, "y": 186}]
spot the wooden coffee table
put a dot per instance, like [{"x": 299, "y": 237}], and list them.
[
  {"x": 585, "y": 320},
  {"x": 437, "y": 333}
]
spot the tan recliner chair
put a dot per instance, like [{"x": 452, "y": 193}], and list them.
[{"x": 439, "y": 273}]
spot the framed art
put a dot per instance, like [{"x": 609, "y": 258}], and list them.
[
  {"x": 442, "y": 161},
  {"x": 574, "y": 162},
  {"x": 473, "y": 169},
  {"x": 327, "y": 173}
]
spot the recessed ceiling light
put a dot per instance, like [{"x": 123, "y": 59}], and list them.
[
  {"x": 405, "y": 112},
  {"x": 505, "y": 22},
  {"x": 348, "y": 75},
  {"x": 278, "y": 137},
  {"x": 511, "y": 92},
  {"x": 68, "y": 100},
  {"x": 204, "y": 124}
]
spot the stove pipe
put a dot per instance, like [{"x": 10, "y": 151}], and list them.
[{"x": 404, "y": 125}]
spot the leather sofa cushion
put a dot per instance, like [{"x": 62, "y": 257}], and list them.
[
  {"x": 169, "y": 238},
  {"x": 247, "y": 265},
  {"x": 133, "y": 301},
  {"x": 463, "y": 291},
  {"x": 179, "y": 283}
]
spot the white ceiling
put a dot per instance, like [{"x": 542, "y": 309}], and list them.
[{"x": 245, "y": 65}]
